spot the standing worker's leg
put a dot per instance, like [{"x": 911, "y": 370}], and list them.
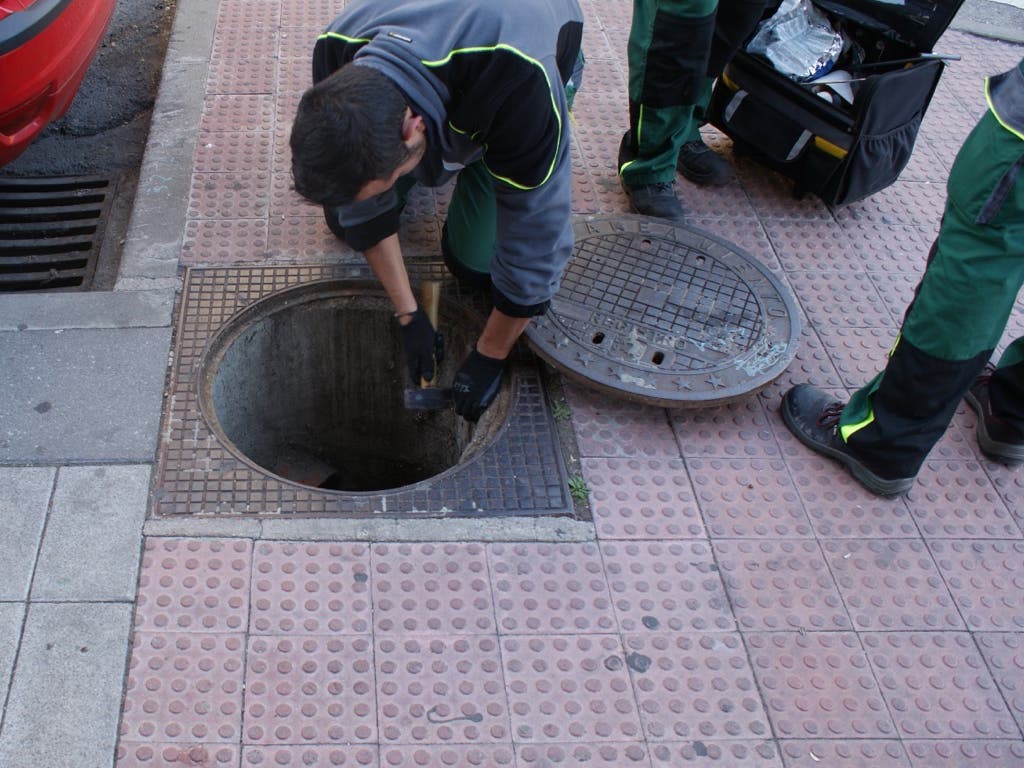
[
  {"x": 957, "y": 317},
  {"x": 668, "y": 49},
  {"x": 734, "y": 21}
]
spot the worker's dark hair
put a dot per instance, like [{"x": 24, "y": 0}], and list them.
[{"x": 347, "y": 132}]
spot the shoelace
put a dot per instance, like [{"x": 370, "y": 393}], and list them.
[{"x": 830, "y": 415}]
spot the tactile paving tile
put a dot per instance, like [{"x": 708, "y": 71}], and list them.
[
  {"x": 184, "y": 688},
  {"x": 780, "y": 585},
  {"x": 986, "y": 578},
  {"x": 310, "y": 588},
  {"x": 232, "y": 151},
  {"x": 748, "y": 499},
  {"x": 936, "y": 685},
  {"x": 858, "y": 353},
  {"x": 550, "y": 588},
  {"x": 310, "y": 690},
  {"x": 772, "y": 196},
  {"x": 224, "y": 241},
  {"x": 243, "y": 195},
  {"x": 171, "y": 755},
  {"x": 642, "y": 499},
  {"x": 891, "y": 585},
  {"x": 343, "y": 756},
  {"x": 728, "y": 201},
  {"x": 959, "y": 753},
  {"x": 251, "y": 76},
  {"x": 315, "y": 13},
  {"x": 875, "y": 753},
  {"x": 1004, "y": 654},
  {"x": 569, "y": 689},
  {"x": 818, "y": 685},
  {"x": 738, "y": 430},
  {"x": 242, "y": 112},
  {"x": 575, "y": 755},
  {"x": 306, "y": 237},
  {"x": 716, "y": 754},
  {"x": 811, "y": 245},
  {"x": 431, "y": 588},
  {"x": 440, "y": 690},
  {"x": 691, "y": 686},
  {"x": 748, "y": 234},
  {"x": 840, "y": 507},
  {"x": 846, "y": 299},
  {"x": 904, "y": 202},
  {"x": 193, "y": 585},
  {"x": 285, "y": 201},
  {"x": 956, "y": 500},
  {"x": 666, "y": 586},
  {"x": 812, "y": 364},
  {"x": 610, "y": 427}
]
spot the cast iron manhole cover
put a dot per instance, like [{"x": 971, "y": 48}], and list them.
[
  {"x": 50, "y": 232},
  {"x": 666, "y": 314}
]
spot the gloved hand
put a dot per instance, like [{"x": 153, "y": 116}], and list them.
[
  {"x": 424, "y": 347},
  {"x": 476, "y": 384}
]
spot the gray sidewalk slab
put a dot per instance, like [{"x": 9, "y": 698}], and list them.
[
  {"x": 24, "y": 500},
  {"x": 90, "y": 551},
  {"x": 65, "y": 695},
  {"x": 81, "y": 395},
  {"x": 53, "y": 311},
  {"x": 11, "y": 617}
]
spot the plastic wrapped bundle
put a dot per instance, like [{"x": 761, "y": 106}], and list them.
[{"x": 798, "y": 40}]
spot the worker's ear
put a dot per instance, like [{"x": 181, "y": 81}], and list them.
[{"x": 413, "y": 126}]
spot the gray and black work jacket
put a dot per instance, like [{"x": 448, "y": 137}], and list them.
[{"x": 487, "y": 77}]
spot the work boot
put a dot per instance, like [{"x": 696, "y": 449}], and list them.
[
  {"x": 998, "y": 440},
  {"x": 702, "y": 165},
  {"x": 813, "y": 416},
  {"x": 655, "y": 200}
]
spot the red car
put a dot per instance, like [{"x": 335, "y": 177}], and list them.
[{"x": 45, "y": 49}]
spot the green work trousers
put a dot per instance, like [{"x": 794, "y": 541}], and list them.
[{"x": 958, "y": 315}]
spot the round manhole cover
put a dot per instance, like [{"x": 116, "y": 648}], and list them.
[{"x": 666, "y": 314}]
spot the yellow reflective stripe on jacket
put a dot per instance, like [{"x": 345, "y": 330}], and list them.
[{"x": 339, "y": 36}]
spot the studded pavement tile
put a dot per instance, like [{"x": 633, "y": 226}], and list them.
[
  {"x": 858, "y": 353},
  {"x": 242, "y": 195},
  {"x": 736, "y": 753},
  {"x": 695, "y": 686},
  {"x": 550, "y": 588},
  {"x": 839, "y": 298},
  {"x": 224, "y": 241},
  {"x": 310, "y": 588},
  {"x": 310, "y": 690},
  {"x": 569, "y": 689},
  {"x": 243, "y": 112},
  {"x": 610, "y": 427},
  {"x": 193, "y": 585},
  {"x": 959, "y": 753},
  {"x": 891, "y": 585},
  {"x": 901, "y": 249},
  {"x": 431, "y": 588},
  {"x": 1004, "y": 654},
  {"x": 905, "y": 202},
  {"x": 986, "y": 579},
  {"x": 936, "y": 685},
  {"x": 746, "y": 234},
  {"x": 184, "y": 688},
  {"x": 642, "y": 499},
  {"x": 576, "y": 755},
  {"x": 956, "y": 500},
  {"x": 854, "y": 753},
  {"x": 258, "y": 76},
  {"x": 811, "y": 364},
  {"x": 748, "y": 499},
  {"x": 808, "y": 245},
  {"x": 777, "y": 585},
  {"x": 840, "y": 507},
  {"x": 440, "y": 690},
  {"x": 666, "y": 586},
  {"x": 291, "y": 756},
  {"x": 232, "y": 151},
  {"x": 736, "y": 431},
  {"x": 172, "y": 755},
  {"x": 447, "y": 756},
  {"x": 818, "y": 685}
]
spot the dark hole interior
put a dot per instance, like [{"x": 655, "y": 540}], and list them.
[{"x": 313, "y": 392}]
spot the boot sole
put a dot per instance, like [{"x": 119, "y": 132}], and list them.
[
  {"x": 703, "y": 179},
  {"x": 1003, "y": 453},
  {"x": 877, "y": 485}
]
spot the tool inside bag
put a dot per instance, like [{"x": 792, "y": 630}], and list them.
[{"x": 850, "y": 131}]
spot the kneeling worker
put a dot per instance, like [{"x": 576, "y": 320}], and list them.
[{"x": 412, "y": 91}]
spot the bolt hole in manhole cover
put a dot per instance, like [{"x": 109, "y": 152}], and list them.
[
  {"x": 308, "y": 385},
  {"x": 51, "y": 230},
  {"x": 666, "y": 315}
]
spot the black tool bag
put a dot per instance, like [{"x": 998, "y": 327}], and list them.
[{"x": 838, "y": 151}]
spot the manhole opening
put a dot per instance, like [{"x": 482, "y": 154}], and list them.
[
  {"x": 308, "y": 385},
  {"x": 51, "y": 230}
]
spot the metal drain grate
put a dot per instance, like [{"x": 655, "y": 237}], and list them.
[{"x": 51, "y": 230}]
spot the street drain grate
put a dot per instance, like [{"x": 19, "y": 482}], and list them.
[{"x": 51, "y": 230}]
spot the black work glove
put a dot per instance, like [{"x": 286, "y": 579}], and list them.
[
  {"x": 476, "y": 384},
  {"x": 424, "y": 347}
]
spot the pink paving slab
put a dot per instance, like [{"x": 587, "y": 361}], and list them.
[
  {"x": 175, "y": 755},
  {"x": 986, "y": 578},
  {"x": 243, "y": 112},
  {"x": 1004, "y": 655},
  {"x": 954, "y": 754},
  {"x": 582, "y": 755},
  {"x": 344, "y": 756},
  {"x": 852, "y": 753},
  {"x": 737, "y": 430},
  {"x": 738, "y": 753},
  {"x": 956, "y": 500}
]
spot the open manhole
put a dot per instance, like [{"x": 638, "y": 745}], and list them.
[
  {"x": 308, "y": 385},
  {"x": 51, "y": 230},
  {"x": 285, "y": 398},
  {"x": 667, "y": 315}
]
